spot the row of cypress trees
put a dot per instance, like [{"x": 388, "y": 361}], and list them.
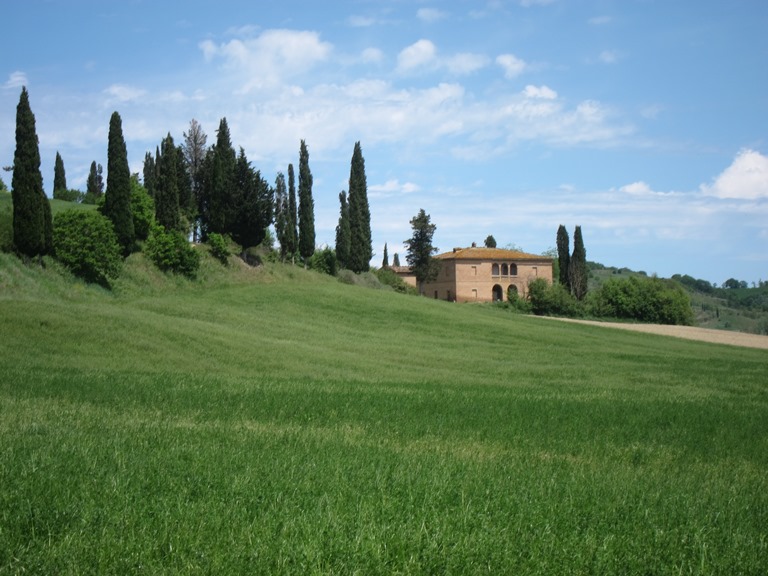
[
  {"x": 354, "y": 248},
  {"x": 573, "y": 274}
]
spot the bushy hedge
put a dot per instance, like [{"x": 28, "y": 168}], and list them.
[
  {"x": 388, "y": 277},
  {"x": 86, "y": 243},
  {"x": 219, "y": 247},
  {"x": 171, "y": 252},
  {"x": 643, "y": 299},
  {"x": 552, "y": 300},
  {"x": 324, "y": 261}
]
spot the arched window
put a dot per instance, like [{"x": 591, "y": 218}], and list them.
[
  {"x": 504, "y": 270},
  {"x": 495, "y": 270},
  {"x": 498, "y": 293},
  {"x": 512, "y": 292},
  {"x": 513, "y": 269}
]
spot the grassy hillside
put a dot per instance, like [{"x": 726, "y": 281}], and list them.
[{"x": 274, "y": 420}]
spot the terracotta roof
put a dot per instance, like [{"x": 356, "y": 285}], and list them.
[{"x": 480, "y": 253}]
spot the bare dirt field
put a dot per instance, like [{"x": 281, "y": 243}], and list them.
[{"x": 690, "y": 332}]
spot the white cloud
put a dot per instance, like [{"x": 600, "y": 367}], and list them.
[
  {"x": 529, "y": 3},
  {"x": 16, "y": 80},
  {"x": 466, "y": 63},
  {"x": 393, "y": 187},
  {"x": 371, "y": 55},
  {"x": 746, "y": 178},
  {"x": 544, "y": 92},
  {"x": 430, "y": 14},
  {"x": 512, "y": 65},
  {"x": 361, "y": 21},
  {"x": 420, "y": 54},
  {"x": 123, "y": 93}
]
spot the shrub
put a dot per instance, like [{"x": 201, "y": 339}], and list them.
[
  {"x": 142, "y": 210},
  {"x": 643, "y": 299},
  {"x": 517, "y": 303},
  {"x": 324, "y": 261},
  {"x": 388, "y": 277},
  {"x": 86, "y": 243},
  {"x": 171, "y": 252},
  {"x": 6, "y": 228},
  {"x": 219, "y": 247},
  {"x": 552, "y": 299}
]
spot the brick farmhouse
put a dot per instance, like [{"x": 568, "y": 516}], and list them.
[{"x": 482, "y": 274}]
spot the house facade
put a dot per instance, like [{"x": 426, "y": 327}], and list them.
[{"x": 483, "y": 274}]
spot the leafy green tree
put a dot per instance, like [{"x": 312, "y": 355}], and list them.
[
  {"x": 324, "y": 261},
  {"x": 167, "y": 186},
  {"x": 360, "y": 247},
  {"x": 94, "y": 188},
  {"x": 490, "y": 241},
  {"x": 420, "y": 250},
  {"x": 563, "y": 256},
  {"x": 306, "y": 206},
  {"x": 117, "y": 206},
  {"x": 552, "y": 299},
  {"x": 85, "y": 242},
  {"x": 643, "y": 299},
  {"x": 343, "y": 232},
  {"x": 59, "y": 177},
  {"x": 255, "y": 198},
  {"x": 142, "y": 209},
  {"x": 385, "y": 261},
  {"x": 171, "y": 252},
  {"x": 578, "y": 273},
  {"x": 32, "y": 223}
]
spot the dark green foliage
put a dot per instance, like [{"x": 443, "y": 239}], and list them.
[
  {"x": 142, "y": 209},
  {"x": 71, "y": 195},
  {"x": 94, "y": 188},
  {"x": 32, "y": 226},
  {"x": 306, "y": 206},
  {"x": 396, "y": 260},
  {"x": 578, "y": 273},
  {"x": 360, "y": 247},
  {"x": 59, "y": 178},
  {"x": 388, "y": 277},
  {"x": 85, "y": 242},
  {"x": 282, "y": 216},
  {"x": 187, "y": 199},
  {"x": 3, "y": 188},
  {"x": 324, "y": 261},
  {"x": 552, "y": 300},
  {"x": 420, "y": 250},
  {"x": 563, "y": 256},
  {"x": 167, "y": 186},
  {"x": 293, "y": 223},
  {"x": 6, "y": 225},
  {"x": 194, "y": 155},
  {"x": 490, "y": 241},
  {"x": 150, "y": 173},
  {"x": 643, "y": 299},
  {"x": 254, "y": 198},
  {"x": 118, "y": 195},
  {"x": 343, "y": 232},
  {"x": 171, "y": 252},
  {"x": 218, "y": 210},
  {"x": 219, "y": 247},
  {"x": 385, "y": 260}
]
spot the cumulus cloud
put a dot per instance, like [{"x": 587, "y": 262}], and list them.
[
  {"x": 393, "y": 187},
  {"x": 16, "y": 79},
  {"x": 544, "y": 92},
  {"x": 466, "y": 63},
  {"x": 371, "y": 55},
  {"x": 746, "y": 178},
  {"x": 420, "y": 54},
  {"x": 512, "y": 65},
  {"x": 123, "y": 93}
]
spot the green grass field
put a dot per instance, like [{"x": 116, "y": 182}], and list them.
[{"x": 276, "y": 421}]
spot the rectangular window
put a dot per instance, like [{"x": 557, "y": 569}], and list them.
[
  {"x": 474, "y": 293},
  {"x": 474, "y": 270}
]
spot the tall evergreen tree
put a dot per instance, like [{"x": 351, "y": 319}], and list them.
[
  {"x": 306, "y": 207},
  {"x": 385, "y": 261},
  {"x": 578, "y": 272},
  {"x": 396, "y": 260},
  {"x": 187, "y": 201},
  {"x": 194, "y": 154},
  {"x": 255, "y": 199},
  {"x": 167, "y": 186},
  {"x": 218, "y": 210},
  {"x": 343, "y": 232},
  {"x": 282, "y": 218},
  {"x": 563, "y": 256},
  {"x": 420, "y": 250},
  {"x": 360, "y": 247},
  {"x": 94, "y": 187},
  {"x": 117, "y": 205},
  {"x": 32, "y": 223},
  {"x": 149, "y": 172},
  {"x": 293, "y": 222},
  {"x": 59, "y": 177}
]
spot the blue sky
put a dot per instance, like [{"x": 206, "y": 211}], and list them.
[{"x": 643, "y": 121}]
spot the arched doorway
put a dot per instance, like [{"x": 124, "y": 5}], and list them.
[
  {"x": 512, "y": 292},
  {"x": 498, "y": 293}
]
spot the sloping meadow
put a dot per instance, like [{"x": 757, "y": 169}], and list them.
[{"x": 283, "y": 422}]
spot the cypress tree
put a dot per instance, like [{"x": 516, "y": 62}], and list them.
[
  {"x": 343, "y": 232},
  {"x": 293, "y": 220},
  {"x": 385, "y": 261},
  {"x": 218, "y": 189},
  {"x": 396, "y": 260},
  {"x": 420, "y": 250},
  {"x": 360, "y": 247},
  {"x": 149, "y": 173},
  {"x": 563, "y": 257},
  {"x": 94, "y": 187},
  {"x": 281, "y": 214},
  {"x": 166, "y": 186},
  {"x": 117, "y": 205},
  {"x": 59, "y": 177},
  {"x": 306, "y": 207},
  {"x": 578, "y": 273},
  {"x": 32, "y": 224}
]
